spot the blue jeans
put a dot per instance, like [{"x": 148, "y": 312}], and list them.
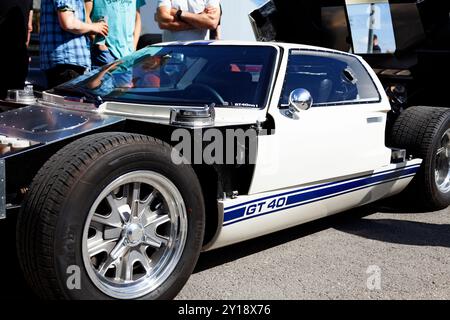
[{"x": 100, "y": 57}]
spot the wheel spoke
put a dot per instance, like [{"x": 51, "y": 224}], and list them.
[
  {"x": 119, "y": 208},
  {"x": 152, "y": 238},
  {"x": 145, "y": 261},
  {"x": 118, "y": 215},
  {"x": 148, "y": 201},
  {"x": 112, "y": 233},
  {"x": 125, "y": 192},
  {"x": 105, "y": 266},
  {"x": 119, "y": 250},
  {"x": 156, "y": 241},
  {"x": 144, "y": 206},
  {"x": 107, "y": 220},
  {"x": 156, "y": 217},
  {"x": 446, "y": 181},
  {"x": 124, "y": 269},
  {"x": 161, "y": 219},
  {"x": 97, "y": 245},
  {"x": 133, "y": 200},
  {"x": 139, "y": 255}
]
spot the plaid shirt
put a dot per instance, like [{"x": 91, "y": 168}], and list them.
[{"x": 58, "y": 46}]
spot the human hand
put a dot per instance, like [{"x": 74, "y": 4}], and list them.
[
  {"x": 210, "y": 10},
  {"x": 113, "y": 66},
  {"x": 100, "y": 28}
]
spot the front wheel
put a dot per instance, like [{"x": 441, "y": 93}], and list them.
[{"x": 115, "y": 209}]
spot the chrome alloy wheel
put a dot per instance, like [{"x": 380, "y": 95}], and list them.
[
  {"x": 134, "y": 235},
  {"x": 442, "y": 165}
]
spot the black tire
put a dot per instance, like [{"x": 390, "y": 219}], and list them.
[
  {"x": 419, "y": 130},
  {"x": 51, "y": 222}
]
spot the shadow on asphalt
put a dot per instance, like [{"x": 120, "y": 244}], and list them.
[
  {"x": 399, "y": 231},
  {"x": 353, "y": 222},
  {"x": 224, "y": 255},
  {"x": 13, "y": 285}
]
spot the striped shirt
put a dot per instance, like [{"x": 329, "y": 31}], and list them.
[{"x": 58, "y": 46}]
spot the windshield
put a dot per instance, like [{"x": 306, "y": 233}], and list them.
[{"x": 185, "y": 75}]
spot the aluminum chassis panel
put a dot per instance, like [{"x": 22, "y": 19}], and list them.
[{"x": 44, "y": 125}]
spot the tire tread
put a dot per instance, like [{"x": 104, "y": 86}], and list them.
[
  {"x": 39, "y": 215},
  {"x": 416, "y": 130}
]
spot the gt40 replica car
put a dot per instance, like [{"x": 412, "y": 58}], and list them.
[{"x": 124, "y": 175}]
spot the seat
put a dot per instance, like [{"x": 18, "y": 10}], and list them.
[
  {"x": 233, "y": 87},
  {"x": 319, "y": 86},
  {"x": 325, "y": 89},
  {"x": 236, "y": 87}
]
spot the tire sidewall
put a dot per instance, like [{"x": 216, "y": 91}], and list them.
[
  {"x": 439, "y": 198},
  {"x": 91, "y": 182}
]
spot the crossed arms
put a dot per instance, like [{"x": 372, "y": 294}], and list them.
[{"x": 166, "y": 18}]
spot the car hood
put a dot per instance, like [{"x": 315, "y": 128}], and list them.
[{"x": 41, "y": 124}]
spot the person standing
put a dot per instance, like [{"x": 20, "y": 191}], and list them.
[
  {"x": 215, "y": 34},
  {"x": 376, "y": 45},
  {"x": 15, "y": 29},
  {"x": 187, "y": 20},
  {"x": 64, "y": 47},
  {"x": 124, "y": 21}
]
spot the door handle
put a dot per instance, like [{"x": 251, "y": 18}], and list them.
[{"x": 374, "y": 120}]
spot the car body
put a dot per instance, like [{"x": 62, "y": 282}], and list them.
[{"x": 311, "y": 161}]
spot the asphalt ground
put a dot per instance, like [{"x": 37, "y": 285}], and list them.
[{"x": 381, "y": 251}]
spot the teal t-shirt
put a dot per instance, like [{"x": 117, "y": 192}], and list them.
[{"x": 120, "y": 16}]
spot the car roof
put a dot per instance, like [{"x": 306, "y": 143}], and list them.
[{"x": 283, "y": 45}]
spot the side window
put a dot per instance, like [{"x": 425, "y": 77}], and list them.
[{"x": 331, "y": 79}]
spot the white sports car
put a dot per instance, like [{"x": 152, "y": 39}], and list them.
[{"x": 124, "y": 175}]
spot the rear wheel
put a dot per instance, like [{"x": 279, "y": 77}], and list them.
[
  {"x": 442, "y": 167},
  {"x": 116, "y": 208},
  {"x": 425, "y": 133}
]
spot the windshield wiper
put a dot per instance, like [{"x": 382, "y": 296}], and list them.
[{"x": 84, "y": 96}]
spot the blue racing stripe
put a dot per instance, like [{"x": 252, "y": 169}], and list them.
[
  {"x": 320, "y": 186},
  {"x": 231, "y": 215},
  {"x": 346, "y": 186},
  {"x": 294, "y": 200},
  {"x": 201, "y": 43},
  {"x": 312, "y": 201}
]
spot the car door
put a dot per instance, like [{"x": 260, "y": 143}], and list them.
[{"x": 340, "y": 136}]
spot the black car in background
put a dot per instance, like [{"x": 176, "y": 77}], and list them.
[{"x": 411, "y": 67}]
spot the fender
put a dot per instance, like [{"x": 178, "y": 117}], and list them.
[{"x": 42, "y": 130}]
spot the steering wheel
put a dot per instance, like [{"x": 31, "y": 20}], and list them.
[{"x": 210, "y": 90}]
